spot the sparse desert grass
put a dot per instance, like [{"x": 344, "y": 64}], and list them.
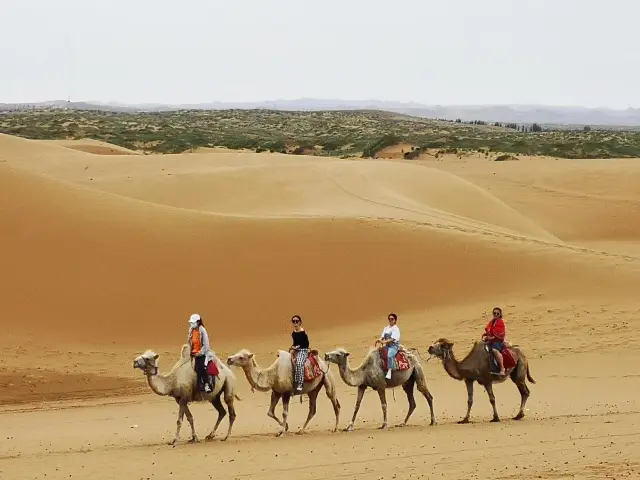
[{"x": 335, "y": 133}]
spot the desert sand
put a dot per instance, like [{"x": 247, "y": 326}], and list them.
[{"x": 104, "y": 253}]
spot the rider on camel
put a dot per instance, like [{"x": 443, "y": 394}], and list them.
[{"x": 494, "y": 334}]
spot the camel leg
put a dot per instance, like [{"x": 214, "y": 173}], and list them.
[
  {"x": 383, "y": 404},
  {"x": 331, "y": 393},
  {"x": 421, "y": 385},
  {"x": 492, "y": 398},
  {"x": 275, "y": 398},
  {"x": 228, "y": 399},
  {"x": 361, "y": 390},
  {"x": 524, "y": 395},
  {"x": 194, "y": 436},
  {"x": 217, "y": 404},
  {"x": 181, "y": 406},
  {"x": 408, "y": 389},
  {"x": 313, "y": 399},
  {"x": 469, "y": 384},
  {"x": 285, "y": 414}
]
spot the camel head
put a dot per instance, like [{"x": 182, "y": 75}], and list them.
[
  {"x": 440, "y": 348},
  {"x": 338, "y": 356},
  {"x": 241, "y": 359},
  {"x": 147, "y": 362}
]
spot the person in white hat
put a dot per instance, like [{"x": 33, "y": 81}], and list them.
[{"x": 200, "y": 351}]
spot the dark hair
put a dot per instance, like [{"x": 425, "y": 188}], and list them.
[
  {"x": 296, "y": 316},
  {"x": 395, "y": 317},
  {"x": 200, "y": 323},
  {"x": 497, "y": 309}
]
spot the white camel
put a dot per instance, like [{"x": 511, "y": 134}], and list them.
[
  {"x": 180, "y": 383},
  {"x": 371, "y": 374},
  {"x": 279, "y": 379}
]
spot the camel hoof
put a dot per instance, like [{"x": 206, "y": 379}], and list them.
[
  {"x": 463, "y": 421},
  {"x": 348, "y": 429},
  {"x": 400, "y": 425},
  {"x": 280, "y": 434},
  {"x": 224, "y": 439},
  {"x": 194, "y": 440},
  {"x": 301, "y": 432},
  {"x": 433, "y": 423},
  {"x": 173, "y": 442},
  {"x": 383, "y": 427},
  {"x": 520, "y": 416},
  {"x": 495, "y": 420},
  {"x": 211, "y": 436}
]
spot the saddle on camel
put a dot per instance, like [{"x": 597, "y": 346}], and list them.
[
  {"x": 312, "y": 368},
  {"x": 400, "y": 361}
]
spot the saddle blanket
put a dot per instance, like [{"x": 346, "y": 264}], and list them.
[
  {"x": 508, "y": 358},
  {"x": 400, "y": 362},
  {"x": 212, "y": 369},
  {"x": 312, "y": 369}
]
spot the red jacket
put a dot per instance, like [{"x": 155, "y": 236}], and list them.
[{"x": 496, "y": 329}]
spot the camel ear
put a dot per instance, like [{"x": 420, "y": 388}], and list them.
[
  {"x": 155, "y": 357},
  {"x": 250, "y": 355},
  {"x": 346, "y": 354}
]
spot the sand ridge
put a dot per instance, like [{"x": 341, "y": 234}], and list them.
[{"x": 105, "y": 256}]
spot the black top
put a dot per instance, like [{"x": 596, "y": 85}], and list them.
[{"x": 300, "y": 339}]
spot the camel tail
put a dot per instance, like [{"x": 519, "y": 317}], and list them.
[{"x": 529, "y": 377}]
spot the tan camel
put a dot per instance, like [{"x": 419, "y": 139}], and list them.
[
  {"x": 180, "y": 383},
  {"x": 476, "y": 367},
  {"x": 370, "y": 374},
  {"x": 279, "y": 379}
]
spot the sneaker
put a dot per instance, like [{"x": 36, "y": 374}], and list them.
[
  {"x": 207, "y": 388},
  {"x": 388, "y": 375},
  {"x": 299, "y": 389}
]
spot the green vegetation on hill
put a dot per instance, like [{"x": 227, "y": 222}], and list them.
[{"x": 335, "y": 133}]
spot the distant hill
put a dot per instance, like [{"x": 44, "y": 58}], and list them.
[{"x": 520, "y": 114}]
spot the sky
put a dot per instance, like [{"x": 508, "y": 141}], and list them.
[{"x": 449, "y": 52}]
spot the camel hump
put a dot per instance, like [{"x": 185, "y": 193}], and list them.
[{"x": 184, "y": 353}]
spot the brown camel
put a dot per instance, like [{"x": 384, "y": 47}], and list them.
[
  {"x": 180, "y": 383},
  {"x": 279, "y": 379},
  {"x": 476, "y": 367},
  {"x": 370, "y": 374}
]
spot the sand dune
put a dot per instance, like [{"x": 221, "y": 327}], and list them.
[
  {"x": 576, "y": 200},
  {"x": 95, "y": 147},
  {"x": 119, "y": 261},
  {"x": 104, "y": 256}
]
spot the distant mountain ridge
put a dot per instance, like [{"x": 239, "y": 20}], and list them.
[{"x": 521, "y": 114}]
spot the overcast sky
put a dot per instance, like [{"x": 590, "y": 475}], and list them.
[{"x": 554, "y": 52}]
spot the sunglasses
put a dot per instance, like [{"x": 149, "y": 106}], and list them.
[
  {"x": 295, "y": 322},
  {"x": 496, "y": 313}
]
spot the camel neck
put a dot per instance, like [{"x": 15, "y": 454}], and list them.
[
  {"x": 353, "y": 378},
  {"x": 258, "y": 377},
  {"x": 159, "y": 384},
  {"x": 452, "y": 366}
]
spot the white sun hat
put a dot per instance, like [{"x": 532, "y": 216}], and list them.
[{"x": 194, "y": 318}]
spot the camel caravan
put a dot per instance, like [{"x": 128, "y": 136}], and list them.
[{"x": 200, "y": 376}]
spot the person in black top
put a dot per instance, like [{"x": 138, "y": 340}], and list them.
[{"x": 300, "y": 348}]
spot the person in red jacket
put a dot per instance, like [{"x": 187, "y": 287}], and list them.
[{"x": 494, "y": 334}]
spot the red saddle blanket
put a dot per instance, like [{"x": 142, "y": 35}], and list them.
[
  {"x": 401, "y": 361},
  {"x": 212, "y": 369},
  {"x": 508, "y": 358},
  {"x": 312, "y": 369}
]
